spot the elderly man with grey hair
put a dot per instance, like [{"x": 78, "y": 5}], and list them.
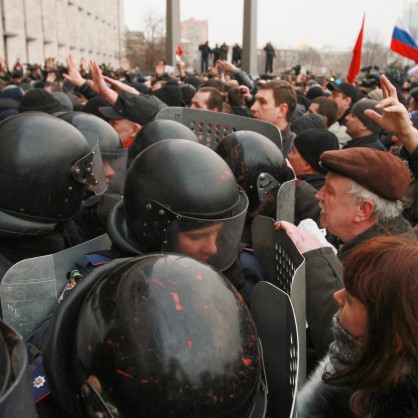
[{"x": 360, "y": 200}]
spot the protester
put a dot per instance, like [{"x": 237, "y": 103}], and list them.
[
  {"x": 329, "y": 109},
  {"x": 270, "y": 55},
  {"x": 371, "y": 368},
  {"x": 304, "y": 159},
  {"x": 345, "y": 95},
  {"x": 208, "y": 98},
  {"x": 275, "y": 102},
  {"x": 359, "y": 200},
  {"x": 205, "y": 52},
  {"x": 363, "y": 131},
  {"x": 236, "y": 55}
]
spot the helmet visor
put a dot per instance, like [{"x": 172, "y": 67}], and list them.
[
  {"x": 115, "y": 164},
  {"x": 214, "y": 241},
  {"x": 89, "y": 170}
]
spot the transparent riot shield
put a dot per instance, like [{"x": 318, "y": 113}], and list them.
[
  {"x": 30, "y": 289},
  {"x": 212, "y": 127},
  {"x": 284, "y": 267}
]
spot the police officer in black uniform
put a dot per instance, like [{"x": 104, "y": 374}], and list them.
[
  {"x": 154, "y": 336},
  {"x": 260, "y": 170},
  {"x": 45, "y": 167},
  {"x": 181, "y": 196},
  {"x": 158, "y": 130},
  {"x": 94, "y": 211}
]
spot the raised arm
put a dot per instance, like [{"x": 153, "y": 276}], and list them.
[
  {"x": 395, "y": 118},
  {"x": 98, "y": 83}
]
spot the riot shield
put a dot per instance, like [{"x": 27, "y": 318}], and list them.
[
  {"x": 285, "y": 209},
  {"x": 275, "y": 320},
  {"x": 284, "y": 267},
  {"x": 16, "y": 399},
  {"x": 30, "y": 289},
  {"x": 212, "y": 127}
]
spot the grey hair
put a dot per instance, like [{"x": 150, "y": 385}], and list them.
[{"x": 383, "y": 209}]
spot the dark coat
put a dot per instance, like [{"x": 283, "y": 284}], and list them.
[
  {"x": 412, "y": 160},
  {"x": 369, "y": 141},
  {"x": 322, "y": 400},
  {"x": 306, "y": 205},
  {"x": 398, "y": 226},
  {"x": 288, "y": 138},
  {"x": 205, "y": 50}
]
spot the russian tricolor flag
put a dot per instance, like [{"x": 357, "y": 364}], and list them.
[
  {"x": 403, "y": 43},
  {"x": 413, "y": 71}
]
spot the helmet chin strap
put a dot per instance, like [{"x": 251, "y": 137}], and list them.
[{"x": 94, "y": 404}]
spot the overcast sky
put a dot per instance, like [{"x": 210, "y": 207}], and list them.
[{"x": 317, "y": 23}]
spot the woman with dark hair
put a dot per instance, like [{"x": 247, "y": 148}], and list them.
[{"x": 371, "y": 369}]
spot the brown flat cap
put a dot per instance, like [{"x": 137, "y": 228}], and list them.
[{"x": 378, "y": 171}]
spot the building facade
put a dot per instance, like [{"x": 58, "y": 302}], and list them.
[
  {"x": 193, "y": 33},
  {"x": 34, "y": 30}
]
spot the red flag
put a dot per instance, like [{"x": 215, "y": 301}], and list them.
[
  {"x": 355, "y": 61},
  {"x": 179, "y": 51}
]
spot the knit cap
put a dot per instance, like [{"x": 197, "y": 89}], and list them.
[
  {"x": 359, "y": 108},
  {"x": 12, "y": 92},
  {"x": 39, "y": 100},
  {"x": 309, "y": 121},
  {"x": 311, "y": 143}
]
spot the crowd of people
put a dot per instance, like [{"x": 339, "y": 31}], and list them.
[
  {"x": 221, "y": 52},
  {"x": 159, "y": 325}
]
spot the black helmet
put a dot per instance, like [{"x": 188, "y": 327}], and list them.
[
  {"x": 93, "y": 126},
  {"x": 111, "y": 149},
  {"x": 176, "y": 188},
  {"x": 156, "y": 131},
  {"x": 45, "y": 165},
  {"x": 167, "y": 336},
  {"x": 16, "y": 398},
  {"x": 187, "y": 91},
  {"x": 257, "y": 163}
]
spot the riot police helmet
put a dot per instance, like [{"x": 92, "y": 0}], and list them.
[
  {"x": 158, "y": 130},
  {"x": 113, "y": 154},
  {"x": 258, "y": 165},
  {"x": 45, "y": 166},
  {"x": 16, "y": 398},
  {"x": 152, "y": 340},
  {"x": 181, "y": 196}
]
